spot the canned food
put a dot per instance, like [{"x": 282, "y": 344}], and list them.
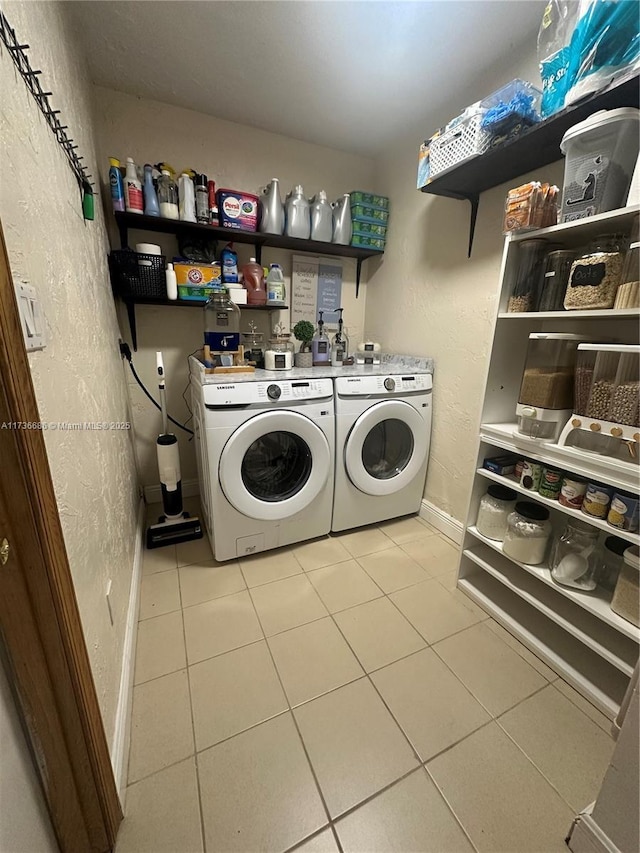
[
  {"x": 623, "y": 513},
  {"x": 597, "y": 499},
  {"x": 518, "y": 470},
  {"x": 531, "y": 474},
  {"x": 550, "y": 483},
  {"x": 572, "y": 492}
]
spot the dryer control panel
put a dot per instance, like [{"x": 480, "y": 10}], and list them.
[
  {"x": 267, "y": 393},
  {"x": 384, "y": 386}
]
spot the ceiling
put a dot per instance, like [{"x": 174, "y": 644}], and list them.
[{"x": 349, "y": 75}]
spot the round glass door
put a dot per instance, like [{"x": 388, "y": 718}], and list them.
[
  {"x": 386, "y": 448},
  {"x": 274, "y": 465}
]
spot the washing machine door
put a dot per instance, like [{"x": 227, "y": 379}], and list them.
[
  {"x": 274, "y": 465},
  {"x": 386, "y": 448}
]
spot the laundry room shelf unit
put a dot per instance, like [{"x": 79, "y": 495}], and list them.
[
  {"x": 538, "y": 146},
  {"x": 576, "y": 633}
]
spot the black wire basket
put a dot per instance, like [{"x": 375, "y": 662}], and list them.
[{"x": 137, "y": 275}]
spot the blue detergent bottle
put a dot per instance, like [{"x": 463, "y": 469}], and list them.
[
  {"x": 151, "y": 206},
  {"x": 229, "y": 264}
]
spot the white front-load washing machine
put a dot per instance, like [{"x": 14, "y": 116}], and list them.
[
  {"x": 265, "y": 454},
  {"x": 383, "y": 431}
]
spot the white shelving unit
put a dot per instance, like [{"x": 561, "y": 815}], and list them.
[{"x": 576, "y": 633}]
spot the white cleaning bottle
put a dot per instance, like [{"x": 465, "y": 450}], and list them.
[
  {"x": 187, "y": 194},
  {"x": 171, "y": 281},
  {"x": 132, "y": 189}
]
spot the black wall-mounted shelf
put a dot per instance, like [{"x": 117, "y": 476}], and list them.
[
  {"x": 538, "y": 146},
  {"x": 128, "y": 221}
]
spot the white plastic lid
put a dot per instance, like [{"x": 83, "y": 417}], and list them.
[
  {"x": 169, "y": 266},
  {"x": 599, "y": 119},
  {"x": 632, "y": 557},
  {"x": 252, "y": 260},
  {"x": 129, "y": 159},
  {"x": 166, "y": 172}
]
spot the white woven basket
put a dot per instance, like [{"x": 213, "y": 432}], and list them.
[{"x": 463, "y": 142}]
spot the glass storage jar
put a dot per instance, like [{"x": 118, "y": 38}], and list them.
[
  {"x": 573, "y": 560},
  {"x": 628, "y": 294},
  {"x": 526, "y": 288},
  {"x": 279, "y": 354},
  {"x": 555, "y": 279},
  {"x": 495, "y": 507},
  {"x": 610, "y": 562},
  {"x": 254, "y": 345},
  {"x": 595, "y": 276},
  {"x": 528, "y": 532},
  {"x": 221, "y": 322}
]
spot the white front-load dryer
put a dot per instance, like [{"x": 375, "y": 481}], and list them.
[
  {"x": 383, "y": 432},
  {"x": 265, "y": 454}
]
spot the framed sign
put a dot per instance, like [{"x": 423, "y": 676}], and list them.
[{"x": 316, "y": 285}]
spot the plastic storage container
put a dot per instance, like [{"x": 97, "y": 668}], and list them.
[
  {"x": 624, "y": 406},
  {"x": 596, "y": 275},
  {"x": 601, "y": 153},
  {"x": 626, "y": 598},
  {"x": 237, "y": 210},
  {"x": 585, "y": 365},
  {"x": 574, "y": 560},
  {"x": 526, "y": 288},
  {"x": 510, "y": 110},
  {"x": 528, "y": 532},
  {"x": 555, "y": 279},
  {"x": 546, "y": 393},
  {"x": 495, "y": 507},
  {"x": 628, "y": 293},
  {"x": 610, "y": 562},
  {"x": 221, "y": 323}
]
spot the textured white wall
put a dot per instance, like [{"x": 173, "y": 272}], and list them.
[
  {"x": 78, "y": 377},
  {"x": 234, "y": 156},
  {"x": 25, "y": 826},
  {"x": 427, "y": 298}
]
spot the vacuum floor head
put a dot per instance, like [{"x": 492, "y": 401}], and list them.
[{"x": 173, "y": 531}]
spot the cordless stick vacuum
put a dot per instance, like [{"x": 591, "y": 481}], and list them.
[{"x": 175, "y": 525}]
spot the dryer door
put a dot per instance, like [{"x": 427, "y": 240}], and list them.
[
  {"x": 386, "y": 448},
  {"x": 274, "y": 465}
]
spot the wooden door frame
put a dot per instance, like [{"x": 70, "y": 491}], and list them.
[{"x": 39, "y": 618}]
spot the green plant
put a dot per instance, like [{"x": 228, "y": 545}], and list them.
[{"x": 303, "y": 331}]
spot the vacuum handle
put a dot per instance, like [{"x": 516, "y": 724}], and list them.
[{"x": 161, "y": 389}]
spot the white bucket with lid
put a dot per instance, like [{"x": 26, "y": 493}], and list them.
[{"x": 601, "y": 153}]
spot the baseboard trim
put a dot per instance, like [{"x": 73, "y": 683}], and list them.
[
  {"x": 587, "y": 837},
  {"x": 122, "y": 728},
  {"x": 153, "y": 494},
  {"x": 442, "y": 521}
]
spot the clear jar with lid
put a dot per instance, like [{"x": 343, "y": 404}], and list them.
[
  {"x": 254, "y": 345},
  {"x": 555, "y": 279},
  {"x": 279, "y": 354},
  {"x": 526, "y": 288},
  {"x": 573, "y": 560},
  {"x": 495, "y": 507},
  {"x": 595, "y": 276},
  {"x": 628, "y": 295},
  {"x": 221, "y": 322},
  {"x": 610, "y": 562},
  {"x": 528, "y": 532}
]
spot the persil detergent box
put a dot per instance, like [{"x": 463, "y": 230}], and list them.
[
  {"x": 196, "y": 282},
  {"x": 238, "y": 210}
]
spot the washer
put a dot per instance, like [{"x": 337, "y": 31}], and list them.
[
  {"x": 265, "y": 454},
  {"x": 383, "y": 431}
]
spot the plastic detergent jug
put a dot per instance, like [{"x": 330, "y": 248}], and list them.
[
  {"x": 271, "y": 209},
  {"x": 298, "y": 218},
  {"x": 321, "y": 218},
  {"x": 151, "y": 206},
  {"x": 229, "y": 264},
  {"x": 253, "y": 278},
  {"x": 276, "y": 293},
  {"x": 187, "y": 194},
  {"x": 342, "y": 225}
]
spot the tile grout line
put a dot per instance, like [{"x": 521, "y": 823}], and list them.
[{"x": 451, "y": 809}]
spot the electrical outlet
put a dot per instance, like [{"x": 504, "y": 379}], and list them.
[{"x": 109, "y": 601}]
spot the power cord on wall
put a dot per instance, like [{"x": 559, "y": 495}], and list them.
[{"x": 125, "y": 352}]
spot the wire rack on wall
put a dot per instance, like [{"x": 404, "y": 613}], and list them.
[{"x": 31, "y": 77}]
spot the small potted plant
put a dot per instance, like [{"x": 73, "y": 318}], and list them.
[{"x": 303, "y": 332}]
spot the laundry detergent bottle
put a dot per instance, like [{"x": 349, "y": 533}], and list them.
[
  {"x": 320, "y": 345},
  {"x": 271, "y": 209},
  {"x": 298, "y": 216},
  {"x": 253, "y": 279},
  {"x": 321, "y": 219},
  {"x": 151, "y": 206}
]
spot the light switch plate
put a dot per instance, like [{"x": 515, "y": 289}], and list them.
[{"x": 31, "y": 317}]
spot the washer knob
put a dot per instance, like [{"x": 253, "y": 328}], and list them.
[
  {"x": 273, "y": 392},
  {"x": 390, "y": 384}
]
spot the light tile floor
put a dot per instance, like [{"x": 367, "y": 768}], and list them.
[{"x": 343, "y": 695}]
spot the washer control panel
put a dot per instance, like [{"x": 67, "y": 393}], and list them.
[
  {"x": 267, "y": 393},
  {"x": 383, "y": 386}
]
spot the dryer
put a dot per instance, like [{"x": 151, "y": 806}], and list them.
[
  {"x": 383, "y": 432},
  {"x": 265, "y": 455}
]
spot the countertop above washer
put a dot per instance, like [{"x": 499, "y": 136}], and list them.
[{"x": 390, "y": 365}]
